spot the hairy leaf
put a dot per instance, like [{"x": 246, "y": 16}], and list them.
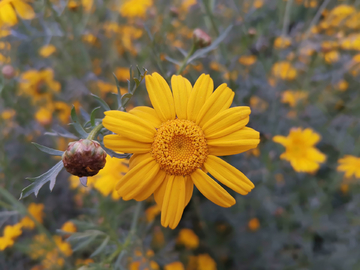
[
  {"x": 76, "y": 123},
  {"x": 48, "y": 150},
  {"x": 101, "y": 102}
]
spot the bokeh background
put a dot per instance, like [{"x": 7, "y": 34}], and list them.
[{"x": 296, "y": 63}]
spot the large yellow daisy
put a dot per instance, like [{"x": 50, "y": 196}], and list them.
[
  {"x": 9, "y": 9},
  {"x": 175, "y": 144}
]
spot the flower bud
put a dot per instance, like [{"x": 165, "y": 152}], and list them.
[
  {"x": 84, "y": 158},
  {"x": 201, "y": 38},
  {"x": 8, "y": 71}
]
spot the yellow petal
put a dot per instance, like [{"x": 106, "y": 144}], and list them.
[
  {"x": 228, "y": 175},
  {"x": 202, "y": 90},
  {"x": 137, "y": 179},
  {"x": 8, "y": 15},
  {"x": 129, "y": 125},
  {"x": 189, "y": 188},
  {"x": 220, "y": 100},
  {"x": 181, "y": 88},
  {"x": 174, "y": 201},
  {"x": 151, "y": 186},
  {"x": 122, "y": 144},
  {"x": 211, "y": 190},
  {"x": 137, "y": 158},
  {"x": 147, "y": 113},
  {"x": 160, "y": 96},
  {"x": 315, "y": 155},
  {"x": 24, "y": 10},
  {"x": 160, "y": 192},
  {"x": 281, "y": 139},
  {"x": 226, "y": 122}
]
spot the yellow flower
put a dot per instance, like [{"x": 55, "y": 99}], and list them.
[
  {"x": 44, "y": 115},
  {"x": 339, "y": 13},
  {"x": 293, "y": 97},
  {"x": 8, "y": 114},
  {"x": 258, "y": 3},
  {"x": 282, "y": 42},
  {"x": 258, "y": 104},
  {"x": 152, "y": 212},
  {"x": 332, "y": 57},
  {"x": 342, "y": 85},
  {"x": 186, "y": 4},
  {"x": 122, "y": 74},
  {"x": 351, "y": 42},
  {"x": 80, "y": 262},
  {"x": 39, "y": 85},
  {"x": 10, "y": 235},
  {"x": 174, "y": 266},
  {"x": 205, "y": 262},
  {"x": 86, "y": 4},
  {"x": 177, "y": 142},
  {"x": 350, "y": 165},
  {"x": 284, "y": 70},
  {"x": 68, "y": 227},
  {"x": 188, "y": 238},
  {"x": 9, "y": 9},
  {"x": 135, "y": 8},
  {"x": 254, "y": 224},
  {"x": 247, "y": 60},
  {"x": 106, "y": 179},
  {"x": 63, "y": 111},
  {"x": 47, "y": 50},
  {"x": 300, "y": 150},
  {"x": 37, "y": 212}
]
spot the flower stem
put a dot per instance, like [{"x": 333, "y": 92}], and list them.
[
  {"x": 184, "y": 63},
  {"x": 92, "y": 135}
]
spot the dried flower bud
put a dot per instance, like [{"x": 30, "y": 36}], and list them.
[
  {"x": 201, "y": 38},
  {"x": 8, "y": 71},
  {"x": 84, "y": 158}
]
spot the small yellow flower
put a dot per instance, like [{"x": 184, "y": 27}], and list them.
[
  {"x": 350, "y": 165},
  {"x": 80, "y": 262},
  {"x": 332, "y": 57},
  {"x": 174, "y": 266},
  {"x": 188, "y": 238},
  {"x": 258, "y": 3},
  {"x": 178, "y": 138},
  {"x": 254, "y": 224},
  {"x": 258, "y": 104},
  {"x": 44, "y": 115},
  {"x": 37, "y": 212},
  {"x": 11, "y": 232},
  {"x": 9, "y": 9},
  {"x": 47, "y": 50},
  {"x": 122, "y": 74},
  {"x": 8, "y": 114},
  {"x": 135, "y": 8},
  {"x": 152, "y": 212},
  {"x": 247, "y": 60},
  {"x": 293, "y": 97},
  {"x": 300, "y": 150},
  {"x": 284, "y": 70},
  {"x": 69, "y": 227},
  {"x": 282, "y": 42},
  {"x": 342, "y": 85},
  {"x": 205, "y": 262}
]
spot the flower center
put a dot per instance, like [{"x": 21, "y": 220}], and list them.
[{"x": 179, "y": 147}]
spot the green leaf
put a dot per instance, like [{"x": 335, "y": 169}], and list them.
[
  {"x": 171, "y": 60},
  {"x": 48, "y": 150},
  {"x": 92, "y": 116},
  {"x": 101, "y": 247},
  {"x": 125, "y": 99},
  {"x": 83, "y": 239},
  {"x": 76, "y": 123},
  {"x": 118, "y": 90},
  {"x": 38, "y": 182},
  {"x": 202, "y": 52},
  {"x": 112, "y": 153},
  {"x": 101, "y": 102},
  {"x": 117, "y": 264},
  {"x": 61, "y": 132}
]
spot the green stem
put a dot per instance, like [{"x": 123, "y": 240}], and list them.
[
  {"x": 92, "y": 135},
  {"x": 211, "y": 17},
  {"x": 184, "y": 63},
  {"x": 286, "y": 18}
]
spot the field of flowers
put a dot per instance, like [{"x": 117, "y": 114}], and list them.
[{"x": 179, "y": 135}]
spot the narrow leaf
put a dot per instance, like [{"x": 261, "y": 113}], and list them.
[
  {"x": 118, "y": 90},
  {"x": 101, "y": 247},
  {"x": 38, "y": 182},
  {"x": 61, "y": 132},
  {"x": 76, "y": 123},
  {"x": 101, "y": 102},
  {"x": 84, "y": 114},
  {"x": 114, "y": 154},
  {"x": 171, "y": 60},
  {"x": 183, "y": 52},
  {"x": 84, "y": 243},
  {"x": 48, "y": 150},
  {"x": 202, "y": 52},
  {"x": 83, "y": 181},
  {"x": 92, "y": 116}
]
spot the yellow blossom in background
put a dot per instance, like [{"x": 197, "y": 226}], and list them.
[
  {"x": 68, "y": 226},
  {"x": 186, "y": 4},
  {"x": 254, "y": 224},
  {"x": 135, "y": 8},
  {"x": 86, "y": 4},
  {"x": 174, "y": 266},
  {"x": 284, "y": 70},
  {"x": 350, "y": 165},
  {"x": 188, "y": 238},
  {"x": 106, "y": 179},
  {"x": 258, "y": 3},
  {"x": 293, "y": 97},
  {"x": 351, "y": 42},
  {"x": 339, "y": 13},
  {"x": 122, "y": 74},
  {"x": 8, "y": 114},
  {"x": 342, "y": 85},
  {"x": 91, "y": 39},
  {"x": 39, "y": 85},
  {"x": 258, "y": 104},
  {"x": 10, "y": 9},
  {"x": 152, "y": 212},
  {"x": 205, "y": 262},
  {"x": 247, "y": 60},
  {"x": 11, "y": 232},
  {"x": 63, "y": 111},
  {"x": 44, "y": 115},
  {"x": 164, "y": 140},
  {"x": 4, "y": 32},
  {"x": 37, "y": 212},
  {"x": 47, "y": 50},
  {"x": 300, "y": 149},
  {"x": 332, "y": 57},
  {"x": 80, "y": 262},
  {"x": 282, "y": 42}
]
